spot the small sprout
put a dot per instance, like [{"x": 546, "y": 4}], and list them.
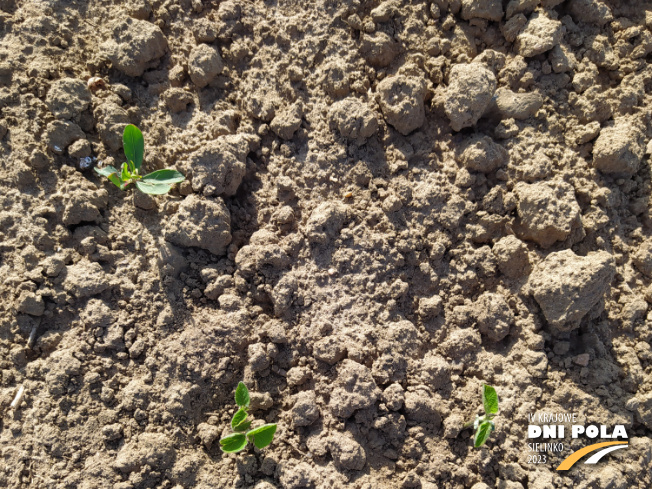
[
  {"x": 484, "y": 425},
  {"x": 260, "y": 437},
  {"x": 155, "y": 183}
]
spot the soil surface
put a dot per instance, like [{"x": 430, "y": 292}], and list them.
[{"x": 388, "y": 204}]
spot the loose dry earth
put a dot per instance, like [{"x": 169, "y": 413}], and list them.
[{"x": 388, "y": 204}]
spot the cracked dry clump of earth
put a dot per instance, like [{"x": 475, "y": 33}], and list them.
[{"x": 388, "y": 204}]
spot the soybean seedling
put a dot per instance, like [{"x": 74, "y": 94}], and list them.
[
  {"x": 484, "y": 425},
  {"x": 155, "y": 183},
  {"x": 260, "y": 437}
]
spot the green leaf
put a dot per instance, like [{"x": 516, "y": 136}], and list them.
[
  {"x": 482, "y": 433},
  {"x": 117, "y": 181},
  {"x": 134, "y": 145},
  {"x": 112, "y": 174},
  {"x": 238, "y": 418},
  {"x": 105, "y": 171},
  {"x": 166, "y": 176},
  {"x": 489, "y": 399},
  {"x": 244, "y": 426},
  {"x": 262, "y": 436},
  {"x": 233, "y": 443},
  {"x": 125, "y": 176},
  {"x": 242, "y": 395},
  {"x": 153, "y": 188}
]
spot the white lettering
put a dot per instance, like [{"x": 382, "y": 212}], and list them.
[
  {"x": 592, "y": 431},
  {"x": 603, "y": 432},
  {"x": 577, "y": 430},
  {"x": 619, "y": 431},
  {"x": 533, "y": 431}
]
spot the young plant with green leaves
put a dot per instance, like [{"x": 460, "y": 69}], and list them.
[
  {"x": 484, "y": 425},
  {"x": 155, "y": 183},
  {"x": 237, "y": 441}
]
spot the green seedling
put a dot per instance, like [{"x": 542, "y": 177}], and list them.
[
  {"x": 155, "y": 183},
  {"x": 237, "y": 441},
  {"x": 484, "y": 425}
]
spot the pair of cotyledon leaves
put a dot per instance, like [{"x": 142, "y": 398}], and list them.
[
  {"x": 484, "y": 425},
  {"x": 260, "y": 437},
  {"x": 156, "y": 183}
]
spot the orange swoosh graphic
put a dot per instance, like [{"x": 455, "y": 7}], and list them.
[{"x": 575, "y": 456}]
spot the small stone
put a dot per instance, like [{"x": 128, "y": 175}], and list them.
[
  {"x": 258, "y": 360},
  {"x": 619, "y": 149},
  {"x": 517, "y": 106},
  {"x": 152, "y": 449},
  {"x": 353, "y": 389},
  {"x": 135, "y": 45},
  {"x": 177, "y": 99},
  {"x": 217, "y": 287},
  {"x": 144, "y": 201},
  {"x": 642, "y": 258},
  {"x": 208, "y": 434},
  {"x": 468, "y": 95},
  {"x": 60, "y": 134},
  {"x": 513, "y": 26},
  {"x": 421, "y": 408},
  {"x": 30, "y": 303},
  {"x": 260, "y": 401},
  {"x": 430, "y": 306},
  {"x": 219, "y": 166},
  {"x": 347, "y": 452},
  {"x": 484, "y": 9},
  {"x": 567, "y": 286},
  {"x": 548, "y": 212},
  {"x": 385, "y": 11},
  {"x": 401, "y": 100},
  {"x": 297, "y": 376},
  {"x": 204, "y": 64},
  {"x": 139, "y": 9},
  {"x": 512, "y": 257},
  {"x": 85, "y": 279},
  {"x": 582, "y": 360},
  {"x": 68, "y": 98},
  {"x": 286, "y": 122},
  {"x": 204, "y": 30},
  {"x": 587, "y": 132},
  {"x": 354, "y": 119},
  {"x": 305, "y": 411},
  {"x": 379, "y": 49},
  {"x": 201, "y": 223},
  {"x": 453, "y": 425},
  {"x": 561, "y": 59},
  {"x": 325, "y": 222},
  {"x": 590, "y": 12},
  {"x": 80, "y": 149},
  {"x": 481, "y": 153},
  {"x": 112, "y": 432},
  {"x": 394, "y": 397},
  {"x": 330, "y": 349},
  {"x": 540, "y": 34},
  {"x": 494, "y": 316}
]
